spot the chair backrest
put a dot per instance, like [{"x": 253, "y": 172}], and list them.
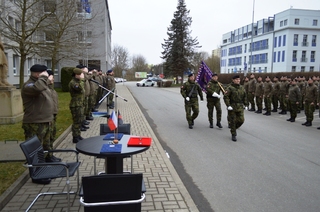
[
  {"x": 33, "y": 151},
  {"x": 112, "y": 187},
  {"x": 123, "y": 128}
]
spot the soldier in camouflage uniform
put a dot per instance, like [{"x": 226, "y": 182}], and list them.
[
  {"x": 283, "y": 91},
  {"x": 302, "y": 85},
  {"x": 246, "y": 85},
  {"x": 53, "y": 130},
  {"x": 38, "y": 107},
  {"x": 236, "y": 100},
  {"x": 267, "y": 95},
  {"x": 213, "y": 100},
  {"x": 251, "y": 91},
  {"x": 294, "y": 97},
  {"x": 111, "y": 85},
  {"x": 275, "y": 93},
  {"x": 190, "y": 91},
  {"x": 310, "y": 102},
  {"x": 259, "y": 94},
  {"x": 77, "y": 92}
]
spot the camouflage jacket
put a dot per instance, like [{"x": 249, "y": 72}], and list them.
[
  {"x": 235, "y": 97},
  {"x": 276, "y": 88},
  {"x": 259, "y": 89},
  {"x": 212, "y": 87},
  {"x": 111, "y": 84},
  {"x": 77, "y": 92},
  {"x": 186, "y": 89},
  {"x": 311, "y": 93},
  {"x": 37, "y": 100},
  {"x": 54, "y": 99},
  {"x": 267, "y": 89},
  {"x": 294, "y": 93},
  {"x": 252, "y": 85}
]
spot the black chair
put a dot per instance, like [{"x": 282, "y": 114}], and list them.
[
  {"x": 112, "y": 192},
  {"x": 41, "y": 170},
  {"x": 104, "y": 129}
]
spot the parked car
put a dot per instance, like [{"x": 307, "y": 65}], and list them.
[
  {"x": 155, "y": 79},
  {"x": 145, "y": 82},
  {"x": 118, "y": 79}
]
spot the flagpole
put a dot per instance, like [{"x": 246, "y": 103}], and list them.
[
  {"x": 116, "y": 113},
  {"x": 251, "y": 47}
]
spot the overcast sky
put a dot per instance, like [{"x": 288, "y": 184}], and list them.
[{"x": 141, "y": 25}]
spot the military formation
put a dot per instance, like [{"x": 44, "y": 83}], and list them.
[
  {"x": 40, "y": 103},
  {"x": 86, "y": 94},
  {"x": 270, "y": 95}
]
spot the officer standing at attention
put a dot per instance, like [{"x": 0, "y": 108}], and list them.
[
  {"x": 190, "y": 91},
  {"x": 259, "y": 94},
  {"x": 77, "y": 92},
  {"x": 275, "y": 93},
  {"x": 111, "y": 85},
  {"x": 310, "y": 101},
  {"x": 236, "y": 100},
  {"x": 294, "y": 100},
  {"x": 213, "y": 100},
  {"x": 251, "y": 91},
  {"x": 267, "y": 95},
  {"x": 38, "y": 107}
]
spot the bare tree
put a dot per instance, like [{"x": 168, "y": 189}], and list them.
[
  {"x": 139, "y": 64},
  {"x": 197, "y": 58},
  {"x": 119, "y": 59},
  {"x": 20, "y": 20},
  {"x": 213, "y": 62}
]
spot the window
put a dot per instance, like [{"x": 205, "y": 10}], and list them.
[
  {"x": 314, "y": 40},
  {"x": 18, "y": 25},
  {"x": 312, "y": 56},
  {"x": 279, "y": 56},
  {"x": 311, "y": 69},
  {"x": 279, "y": 41},
  {"x": 296, "y": 21},
  {"x": 274, "y": 57},
  {"x": 293, "y": 68},
  {"x": 294, "y": 56},
  {"x": 295, "y": 39},
  {"x": 281, "y": 23},
  {"x": 303, "y": 68},
  {"x": 245, "y": 48},
  {"x": 284, "y": 40},
  {"x": 49, "y": 36},
  {"x": 285, "y": 22},
  {"x": 303, "y": 56},
  {"x": 48, "y": 64},
  {"x": 15, "y": 63},
  {"x": 275, "y": 42},
  {"x": 315, "y": 22},
  {"x": 305, "y": 40},
  {"x": 283, "y": 56},
  {"x": 49, "y": 6},
  {"x": 29, "y": 64}
]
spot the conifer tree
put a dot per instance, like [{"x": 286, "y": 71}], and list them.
[{"x": 180, "y": 46}]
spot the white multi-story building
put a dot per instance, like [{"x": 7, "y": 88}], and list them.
[
  {"x": 287, "y": 42},
  {"x": 90, "y": 38}
]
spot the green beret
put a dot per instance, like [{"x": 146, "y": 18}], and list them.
[{"x": 77, "y": 71}]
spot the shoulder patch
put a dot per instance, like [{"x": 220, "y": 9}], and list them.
[{"x": 30, "y": 84}]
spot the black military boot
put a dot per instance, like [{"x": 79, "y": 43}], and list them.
[
  {"x": 190, "y": 126},
  {"x": 84, "y": 126},
  {"x": 304, "y": 123},
  {"x": 293, "y": 120},
  {"x": 219, "y": 125},
  {"x": 289, "y": 119},
  {"x": 308, "y": 124},
  {"x": 267, "y": 114},
  {"x": 83, "y": 129},
  {"x": 90, "y": 118},
  {"x": 274, "y": 110},
  {"x": 234, "y": 138},
  {"x": 75, "y": 139},
  {"x": 211, "y": 125},
  {"x": 85, "y": 122}
]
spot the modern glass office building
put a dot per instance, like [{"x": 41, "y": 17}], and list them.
[{"x": 289, "y": 41}]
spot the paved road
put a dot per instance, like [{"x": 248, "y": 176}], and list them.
[{"x": 274, "y": 166}]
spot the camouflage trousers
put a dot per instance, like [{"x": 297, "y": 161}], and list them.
[
  {"x": 211, "y": 105},
  {"x": 283, "y": 102},
  {"x": 235, "y": 119},
  {"x": 275, "y": 101},
  {"x": 309, "y": 110},
  {"x": 77, "y": 119},
  {"x": 267, "y": 103},
  {"x": 91, "y": 103},
  {"x": 191, "y": 107},
  {"x": 251, "y": 100},
  {"x": 293, "y": 108},
  {"x": 259, "y": 102},
  {"x": 110, "y": 99},
  {"x": 53, "y": 131},
  {"x": 42, "y": 131},
  {"x": 85, "y": 108}
]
